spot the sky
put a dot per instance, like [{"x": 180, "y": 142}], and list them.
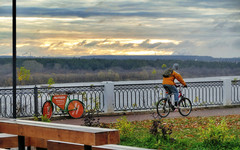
[{"x": 63, "y": 28}]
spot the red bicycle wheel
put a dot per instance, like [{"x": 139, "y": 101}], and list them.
[
  {"x": 47, "y": 109},
  {"x": 75, "y": 109}
]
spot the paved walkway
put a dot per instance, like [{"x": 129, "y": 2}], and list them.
[{"x": 148, "y": 116}]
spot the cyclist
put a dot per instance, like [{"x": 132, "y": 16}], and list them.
[{"x": 168, "y": 81}]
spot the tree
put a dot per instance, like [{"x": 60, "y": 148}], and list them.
[
  {"x": 50, "y": 82},
  {"x": 164, "y": 65},
  {"x": 23, "y": 75},
  {"x": 33, "y": 65},
  {"x": 154, "y": 72}
]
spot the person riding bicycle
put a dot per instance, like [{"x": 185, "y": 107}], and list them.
[{"x": 168, "y": 81}]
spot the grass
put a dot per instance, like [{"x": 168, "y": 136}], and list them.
[{"x": 204, "y": 133}]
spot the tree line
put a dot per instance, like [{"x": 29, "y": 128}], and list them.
[
  {"x": 64, "y": 70},
  {"x": 101, "y": 64}
]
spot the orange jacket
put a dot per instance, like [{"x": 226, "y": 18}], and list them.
[{"x": 170, "y": 80}]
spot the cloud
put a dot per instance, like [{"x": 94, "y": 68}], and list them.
[
  {"x": 118, "y": 44},
  {"x": 147, "y": 44},
  {"x": 236, "y": 44},
  {"x": 235, "y": 28},
  {"x": 55, "y": 28},
  {"x": 107, "y": 9}
]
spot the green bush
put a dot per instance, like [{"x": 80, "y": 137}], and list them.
[
  {"x": 216, "y": 133},
  {"x": 125, "y": 127},
  {"x": 45, "y": 119},
  {"x": 42, "y": 118}
]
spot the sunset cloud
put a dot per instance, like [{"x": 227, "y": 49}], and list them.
[{"x": 123, "y": 27}]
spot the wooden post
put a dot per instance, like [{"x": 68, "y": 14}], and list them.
[
  {"x": 21, "y": 142},
  {"x": 87, "y": 147}
]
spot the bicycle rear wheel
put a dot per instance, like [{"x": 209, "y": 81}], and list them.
[
  {"x": 185, "y": 107},
  {"x": 75, "y": 109},
  {"x": 47, "y": 109},
  {"x": 163, "y": 108}
]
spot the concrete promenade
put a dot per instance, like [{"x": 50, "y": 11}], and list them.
[{"x": 203, "y": 112}]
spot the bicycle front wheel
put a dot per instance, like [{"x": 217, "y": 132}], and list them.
[
  {"x": 47, "y": 109},
  {"x": 163, "y": 108},
  {"x": 185, "y": 107},
  {"x": 75, "y": 109}
]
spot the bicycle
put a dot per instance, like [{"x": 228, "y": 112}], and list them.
[
  {"x": 73, "y": 107},
  {"x": 164, "y": 105}
]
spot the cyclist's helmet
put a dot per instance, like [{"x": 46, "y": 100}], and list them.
[{"x": 175, "y": 66}]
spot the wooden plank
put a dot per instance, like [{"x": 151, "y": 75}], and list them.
[
  {"x": 56, "y": 145},
  {"x": 37, "y": 142},
  {"x": 11, "y": 141},
  {"x": 8, "y": 140},
  {"x": 113, "y": 137},
  {"x": 119, "y": 147},
  {"x": 60, "y": 132}
]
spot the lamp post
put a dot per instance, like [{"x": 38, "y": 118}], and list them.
[
  {"x": 21, "y": 139},
  {"x": 14, "y": 47}
]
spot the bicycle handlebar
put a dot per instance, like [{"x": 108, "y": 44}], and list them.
[{"x": 178, "y": 85}]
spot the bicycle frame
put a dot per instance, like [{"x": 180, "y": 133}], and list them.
[
  {"x": 73, "y": 107},
  {"x": 180, "y": 92},
  {"x": 61, "y": 101},
  {"x": 164, "y": 105},
  {"x": 180, "y": 96}
]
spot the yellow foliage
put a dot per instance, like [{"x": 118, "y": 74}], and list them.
[{"x": 23, "y": 74}]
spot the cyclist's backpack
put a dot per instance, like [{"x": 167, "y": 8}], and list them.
[{"x": 167, "y": 73}]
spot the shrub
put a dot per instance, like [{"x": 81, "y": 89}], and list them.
[
  {"x": 160, "y": 129},
  {"x": 125, "y": 127},
  {"x": 216, "y": 133},
  {"x": 43, "y": 118},
  {"x": 90, "y": 120},
  {"x": 161, "y": 133}
]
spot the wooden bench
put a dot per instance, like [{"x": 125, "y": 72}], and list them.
[
  {"x": 57, "y": 145},
  {"x": 88, "y": 136},
  {"x": 10, "y": 141}
]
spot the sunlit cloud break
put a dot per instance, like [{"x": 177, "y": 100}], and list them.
[{"x": 109, "y": 46}]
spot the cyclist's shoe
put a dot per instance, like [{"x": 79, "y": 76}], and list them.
[{"x": 176, "y": 104}]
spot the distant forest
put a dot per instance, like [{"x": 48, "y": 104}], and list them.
[{"x": 68, "y": 70}]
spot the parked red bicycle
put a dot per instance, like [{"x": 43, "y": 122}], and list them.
[{"x": 74, "y": 107}]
